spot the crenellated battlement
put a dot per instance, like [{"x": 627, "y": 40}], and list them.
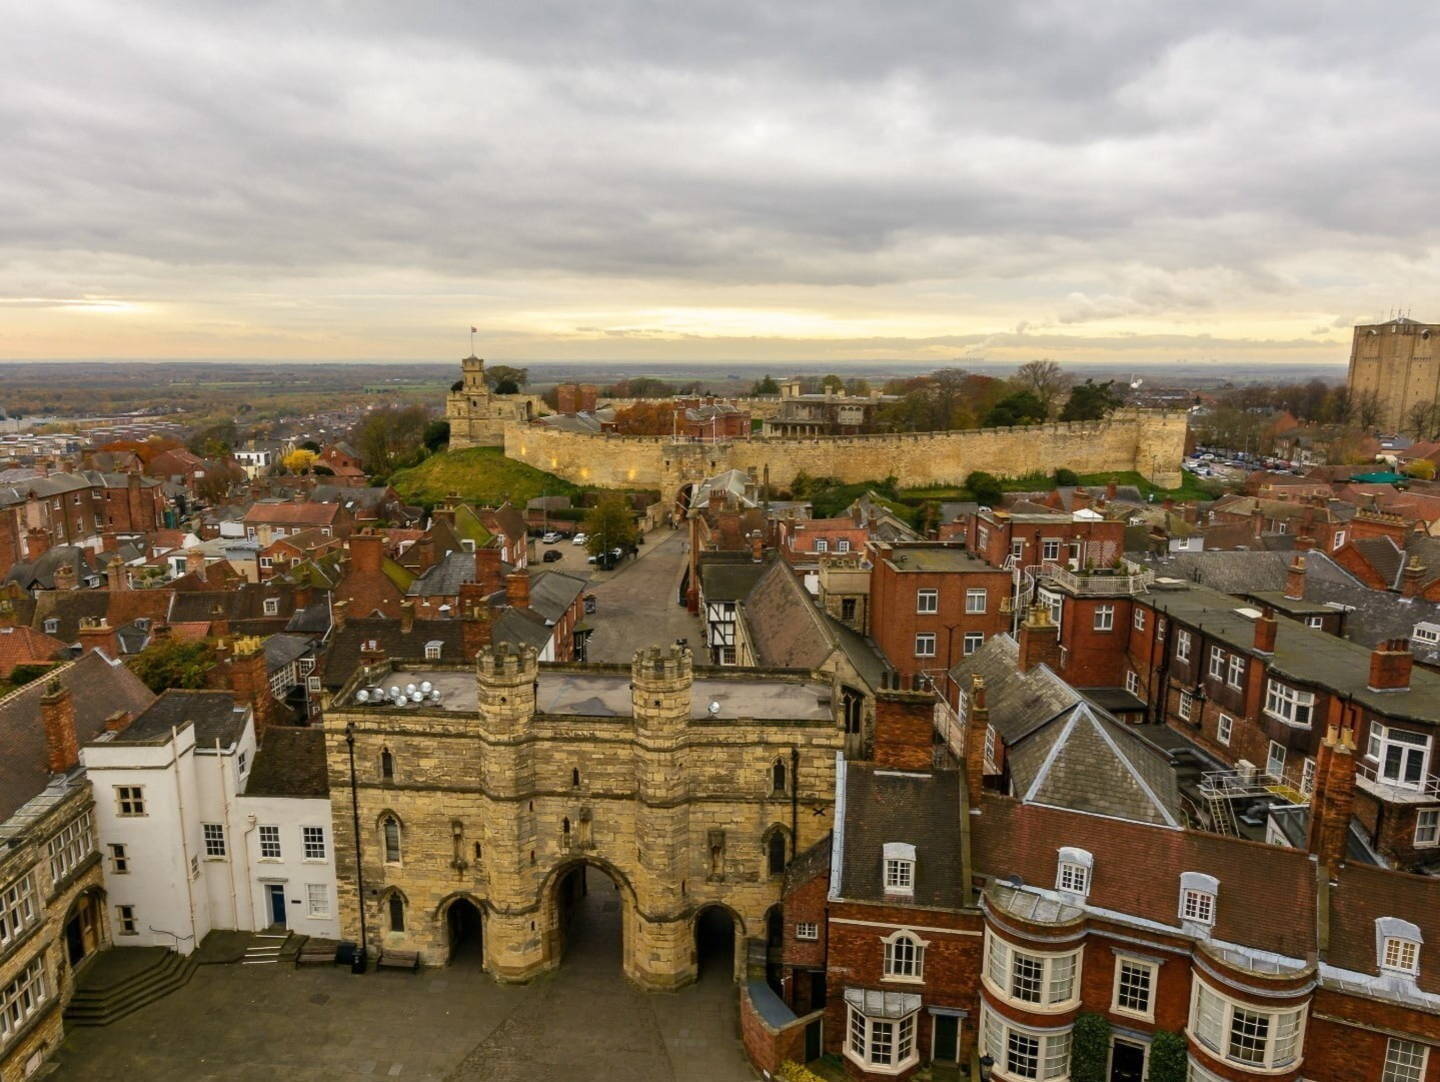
[
  {"x": 507, "y": 663},
  {"x": 663, "y": 664}
]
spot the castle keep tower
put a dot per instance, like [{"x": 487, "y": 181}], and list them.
[
  {"x": 476, "y": 414},
  {"x": 1396, "y": 363}
]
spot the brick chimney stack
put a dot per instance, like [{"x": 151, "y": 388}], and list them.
[
  {"x": 1295, "y": 578},
  {"x": 425, "y": 553},
  {"x": 487, "y": 570},
  {"x": 1039, "y": 640},
  {"x": 57, "y": 714},
  {"x": 1266, "y": 627},
  {"x": 517, "y": 590},
  {"x": 367, "y": 552},
  {"x": 475, "y": 630},
  {"x": 1390, "y": 665},
  {"x": 905, "y": 730},
  {"x": 1304, "y": 543},
  {"x": 1333, "y": 801},
  {"x": 194, "y": 562},
  {"x": 65, "y": 576},
  {"x": 115, "y": 574},
  {"x": 757, "y": 546},
  {"x": 250, "y": 683},
  {"x": 118, "y": 722},
  {"x": 338, "y": 612},
  {"x": 1410, "y": 578},
  {"x": 37, "y": 542},
  {"x": 977, "y": 727},
  {"x": 95, "y": 634},
  {"x": 407, "y": 616}
]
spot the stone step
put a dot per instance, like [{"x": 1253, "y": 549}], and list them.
[{"x": 99, "y": 1006}]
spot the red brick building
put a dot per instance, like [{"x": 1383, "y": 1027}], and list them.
[
  {"x": 1073, "y": 539},
  {"x": 932, "y": 603}
]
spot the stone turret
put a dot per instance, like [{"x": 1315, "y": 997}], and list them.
[
  {"x": 660, "y": 683},
  {"x": 505, "y": 679}
]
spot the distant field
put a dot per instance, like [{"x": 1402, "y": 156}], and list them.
[{"x": 481, "y": 475}]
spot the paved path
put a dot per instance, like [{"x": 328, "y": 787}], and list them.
[
  {"x": 637, "y": 601},
  {"x": 265, "y": 1023}
]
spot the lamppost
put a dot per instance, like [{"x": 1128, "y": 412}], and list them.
[
  {"x": 362, "y": 956},
  {"x": 987, "y": 1068}
]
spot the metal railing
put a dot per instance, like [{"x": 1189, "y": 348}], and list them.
[
  {"x": 1130, "y": 578},
  {"x": 1427, "y": 788}
]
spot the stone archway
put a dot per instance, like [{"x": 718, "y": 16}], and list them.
[
  {"x": 84, "y": 926},
  {"x": 719, "y": 931},
  {"x": 464, "y": 930},
  {"x": 589, "y": 914}
]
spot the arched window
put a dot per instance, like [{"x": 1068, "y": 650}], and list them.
[
  {"x": 387, "y": 765},
  {"x": 565, "y": 825},
  {"x": 575, "y": 778},
  {"x": 904, "y": 955},
  {"x": 390, "y": 832},
  {"x": 775, "y": 853},
  {"x": 777, "y": 776},
  {"x": 397, "y": 913},
  {"x": 477, "y": 850}
]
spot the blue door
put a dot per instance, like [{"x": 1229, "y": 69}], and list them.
[{"x": 277, "y": 903}]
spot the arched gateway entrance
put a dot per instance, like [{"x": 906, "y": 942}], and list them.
[
  {"x": 465, "y": 931},
  {"x": 717, "y": 936}
]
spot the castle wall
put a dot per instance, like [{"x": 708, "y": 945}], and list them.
[{"x": 1151, "y": 443}]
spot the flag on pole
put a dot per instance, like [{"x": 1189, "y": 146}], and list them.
[{"x": 474, "y": 330}]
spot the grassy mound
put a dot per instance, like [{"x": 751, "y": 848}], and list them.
[{"x": 480, "y": 475}]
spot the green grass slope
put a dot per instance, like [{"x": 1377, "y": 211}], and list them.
[{"x": 480, "y": 475}]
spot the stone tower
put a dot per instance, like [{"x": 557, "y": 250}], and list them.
[
  {"x": 476, "y": 414},
  {"x": 661, "y": 680},
  {"x": 1393, "y": 364}
]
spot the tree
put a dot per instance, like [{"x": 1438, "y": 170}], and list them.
[
  {"x": 1066, "y": 478},
  {"x": 389, "y": 437},
  {"x": 609, "y": 524},
  {"x": 832, "y": 384},
  {"x": 437, "y": 435},
  {"x": 1367, "y": 409},
  {"x": 765, "y": 386},
  {"x": 1091, "y": 401},
  {"x": 174, "y": 664},
  {"x": 499, "y": 376},
  {"x": 985, "y": 488},
  {"x": 857, "y": 387},
  {"x": 1045, "y": 380},
  {"x": 1169, "y": 1057},
  {"x": 215, "y": 441},
  {"x": 645, "y": 419},
  {"x": 1421, "y": 420},
  {"x": 1019, "y": 408},
  {"x": 311, "y": 445},
  {"x": 1089, "y": 1048},
  {"x": 300, "y": 460},
  {"x": 1420, "y": 468}
]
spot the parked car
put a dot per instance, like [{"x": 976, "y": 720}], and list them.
[
  {"x": 551, "y": 556},
  {"x": 579, "y": 539},
  {"x": 550, "y": 538}
]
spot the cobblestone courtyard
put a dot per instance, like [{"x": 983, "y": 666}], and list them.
[{"x": 266, "y": 1023}]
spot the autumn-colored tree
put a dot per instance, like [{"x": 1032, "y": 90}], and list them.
[
  {"x": 300, "y": 460},
  {"x": 174, "y": 664},
  {"x": 645, "y": 419},
  {"x": 609, "y": 524},
  {"x": 1421, "y": 468}
]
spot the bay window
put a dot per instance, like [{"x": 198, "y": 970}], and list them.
[
  {"x": 880, "y": 1029},
  {"x": 1403, "y": 757},
  {"x": 1030, "y": 978},
  {"x": 1023, "y": 1053},
  {"x": 1289, "y": 705},
  {"x": 1244, "y": 1034}
]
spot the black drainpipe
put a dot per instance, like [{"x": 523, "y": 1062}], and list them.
[
  {"x": 363, "y": 957},
  {"x": 794, "y": 801}
]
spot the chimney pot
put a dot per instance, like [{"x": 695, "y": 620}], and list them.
[
  {"x": 517, "y": 590},
  {"x": 1391, "y": 664},
  {"x": 57, "y": 714}
]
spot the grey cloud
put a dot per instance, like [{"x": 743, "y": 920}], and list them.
[{"x": 1098, "y": 162}]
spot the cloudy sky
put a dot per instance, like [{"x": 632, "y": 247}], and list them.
[{"x": 1102, "y": 180}]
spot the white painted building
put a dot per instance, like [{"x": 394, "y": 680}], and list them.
[{"x": 182, "y": 841}]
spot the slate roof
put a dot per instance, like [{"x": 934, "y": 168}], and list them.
[
  {"x": 553, "y": 592},
  {"x": 1245, "y": 572},
  {"x": 728, "y": 576},
  {"x": 282, "y": 649},
  {"x": 290, "y": 763},
  {"x": 98, "y": 688},
  {"x": 445, "y": 577},
  {"x": 39, "y": 574},
  {"x": 1087, "y": 761},
  {"x": 69, "y": 607},
  {"x": 1386, "y": 557},
  {"x": 922, "y": 809},
  {"x": 346, "y": 643},
  {"x": 214, "y": 715},
  {"x": 789, "y": 631},
  {"x": 1019, "y": 703}
]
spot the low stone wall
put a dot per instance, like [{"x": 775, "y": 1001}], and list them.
[{"x": 1151, "y": 443}]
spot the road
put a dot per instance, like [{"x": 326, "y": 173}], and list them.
[{"x": 636, "y": 602}]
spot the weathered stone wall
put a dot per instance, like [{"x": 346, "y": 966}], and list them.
[
  {"x": 1151, "y": 443},
  {"x": 656, "y": 792}
]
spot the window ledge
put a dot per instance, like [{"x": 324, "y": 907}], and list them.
[
  {"x": 896, "y": 979},
  {"x": 875, "y": 1068}
]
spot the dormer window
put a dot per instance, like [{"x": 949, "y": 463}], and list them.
[
  {"x": 1398, "y": 943},
  {"x": 1073, "y": 875},
  {"x": 272, "y": 606},
  {"x": 1197, "y": 898},
  {"x": 432, "y": 650},
  {"x": 52, "y": 626},
  {"x": 899, "y": 868}
]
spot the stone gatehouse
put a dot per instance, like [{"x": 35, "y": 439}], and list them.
[{"x": 690, "y": 787}]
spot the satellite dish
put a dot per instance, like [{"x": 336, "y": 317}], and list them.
[
  {"x": 417, "y": 696},
  {"x": 714, "y": 707},
  {"x": 394, "y": 690},
  {"x": 362, "y": 696},
  {"x": 425, "y": 686},
  {"x": 435, "y": 695},
  {"x": 409, "y": 689}
]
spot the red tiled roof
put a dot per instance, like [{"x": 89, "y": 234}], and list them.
[
  {"x": 1267, "y": 893},
  {"x": 25, "y": 646},
  {"x": 287, "y": 514}
]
